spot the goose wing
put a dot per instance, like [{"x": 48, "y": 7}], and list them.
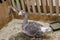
[{"x": 31, "y": 28}]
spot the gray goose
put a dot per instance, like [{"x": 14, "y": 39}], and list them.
[{"x": 31, "y": 29}]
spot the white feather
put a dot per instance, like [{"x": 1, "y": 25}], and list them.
[{"x": 45, "y": 29}]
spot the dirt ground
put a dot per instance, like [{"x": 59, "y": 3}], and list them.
[
  {"x": 13, "y": 28},
  {"x": 57, "y": 35}
]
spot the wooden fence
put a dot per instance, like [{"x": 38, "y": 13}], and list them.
[{"x": 43, "y": 7}]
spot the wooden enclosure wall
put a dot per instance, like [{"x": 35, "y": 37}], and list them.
[
  {"x": 47, "y": 10},
  {"x": 43, "y": 7},
  {"x": 4, "y": 16}
]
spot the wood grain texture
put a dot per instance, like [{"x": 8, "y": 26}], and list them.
[
  {"x": 28, "y": 5},
  {"x": 44, "y": 6},
  {"x": 4, "y": 14},
  {"x": 18, "y": 5},
  {"x": 38, "y": 6},
  {"x": 51, "y": 7},
  {"x": 23, "y": 5},
  {"x": 39, "y": 17},
  {"x": 57, "y": 7},
  {"x": 13, "y": 3},
  {"x": 33, "y": 6}
]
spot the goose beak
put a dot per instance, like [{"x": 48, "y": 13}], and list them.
[{"x": 20, "y": 13}]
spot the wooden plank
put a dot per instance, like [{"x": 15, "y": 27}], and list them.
[
  {"x": 44, "y": 6},
  {"x": 38, "y": 5},
  {"x": 59, "y": 2},
  {"x": 22, "y": 3},
  {"x": 48, "y": 2},
  {"x": 51, "y": 8},
  {"x": 57, "y": 7},
  {"x": 33, "y": 6},
  {"x": 28, "y": 6},
  {"x": 54, "y": 3},
  {"x": 13, "y": 3},
  {"x": 18, "y": 5},
  {"x": 9, "y": 2}
]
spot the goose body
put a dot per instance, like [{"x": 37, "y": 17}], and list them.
[{"x": 30, "y": 28}]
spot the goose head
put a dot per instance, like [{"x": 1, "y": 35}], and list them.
[{"x": 22, "y": 12}]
